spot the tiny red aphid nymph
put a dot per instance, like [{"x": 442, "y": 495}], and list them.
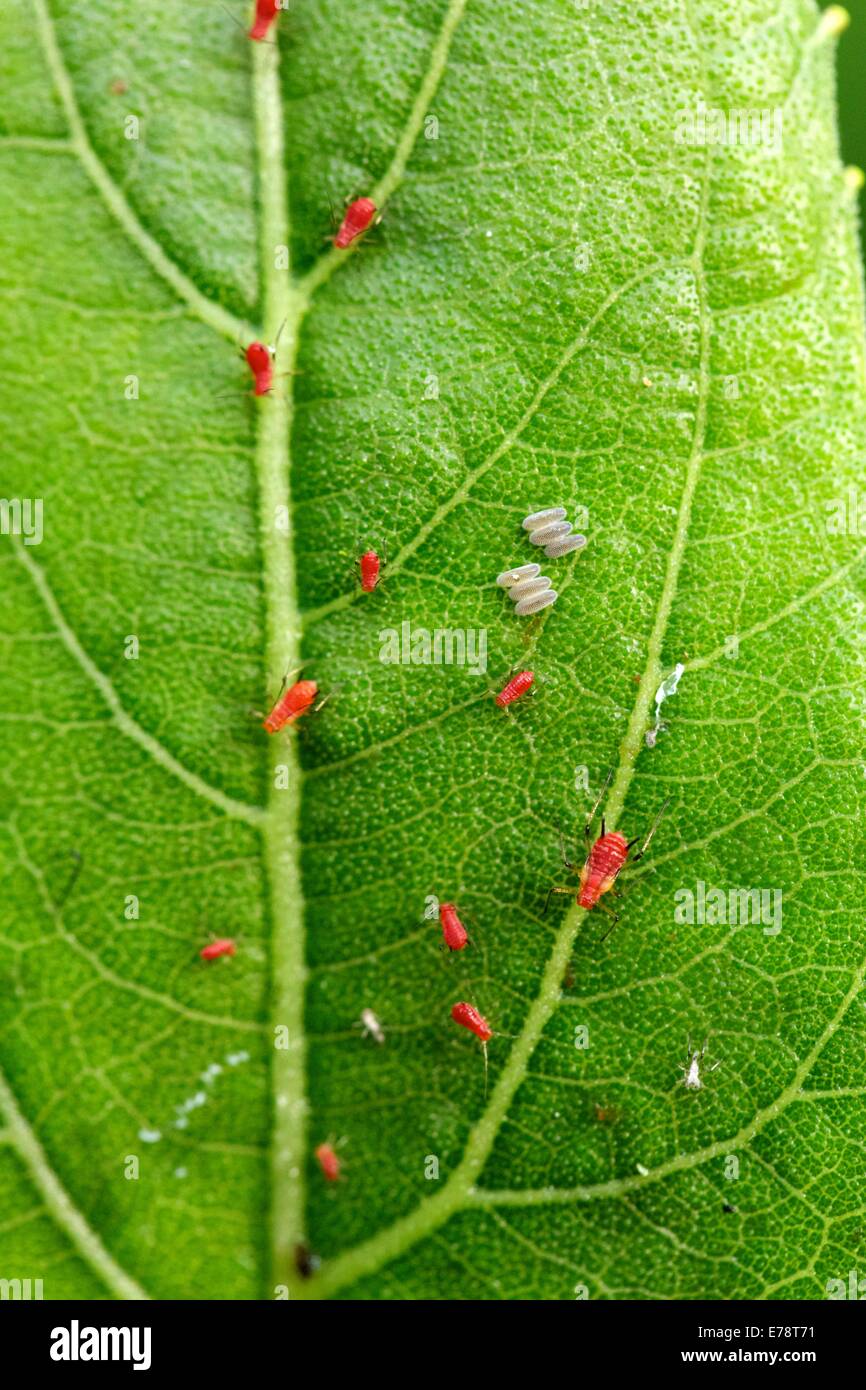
[
  {"x": 224, "y": 947},
  {"x": 260, "y": 361},
  {"x": 357, "y": 219},
  {"x": 514, "y": 688},
  {"x": 370, "y": 566},
  {"x": 266, "y": 13},
  {"x": 328, "y": 1162},
  {"x": 469, "y": 1017},
  {"x": 454, "y": 933},
  {"x": 291, "y": 704}
]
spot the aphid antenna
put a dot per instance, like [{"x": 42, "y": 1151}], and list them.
[
  {"x": 288, "y": 676},
  {"x": 325, "y": 698},
  {"x": 235, "y": 20},
  {"x": 652, "y": 830},
  {"x": 598, "y": 801},
  {"x": 275, "y": 344}
]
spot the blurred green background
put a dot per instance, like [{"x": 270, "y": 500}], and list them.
[{"x": 852, "y": 92}]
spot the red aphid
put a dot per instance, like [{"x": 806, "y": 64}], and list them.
[
  {"x": 370, "y": 565},
  {"x": 225, "y": 947},
  {"x": 454, "y": 933},
  {"x": 328, "y": 1162},
  {"x": 291, "y": 705},
  {"x": 358, "y": 217},
  {"x": 469, "y": 1017},
  {"x": 513, "y": 689},
  {"x": 260, "y": 361},
  {"x": 266, "y": 13},
  {"x": 603, "y": 863}
]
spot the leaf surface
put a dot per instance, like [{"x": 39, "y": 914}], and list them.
[{"x": 565, "y": 303}]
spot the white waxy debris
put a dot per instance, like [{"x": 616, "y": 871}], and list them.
[
  {"x": 535, "y": 603},
  {"x": 644, "y": 1172},
  {"x": 536, "y": 519},
  {"x": 372, "y": 1026},
  {"x": 692, "y": 1079},
  {"x": 509, "y": 577},
  {"x": 667, "y": 689},
  {"x": 149, "y": 1136},
  {"x": 564, "y": 546}
]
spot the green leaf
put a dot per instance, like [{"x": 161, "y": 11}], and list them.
[{"x": 568, "y": 300}]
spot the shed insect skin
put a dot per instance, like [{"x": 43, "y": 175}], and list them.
[
  {"x": 356, "y": 220},
  {"x": 291, "y": 705},
  {"x": 224, "y": 947},
  {"x": 607, "y": 856},
  {"x": 692, "y": 1079},
  {"x": 371, "y": 1026},
  {"x": 454, "y": 934}
]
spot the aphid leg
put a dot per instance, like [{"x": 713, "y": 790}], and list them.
[
  {"x": 572, "y": 868},
  {"x": 551, "y": 891},
  {"x": 484, "y": 1050},
  {"x": 610, "y": 912},
  {"x": 652, "y": 830},
  {"x": 325, "y": 698}
]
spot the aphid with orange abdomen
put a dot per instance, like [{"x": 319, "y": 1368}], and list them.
[
  {"x": 215, "y": 949},
  {"x": 329, "y": 1162},
  {"x": 291, "y": 705},
  {"x": 607, "y": 856}
]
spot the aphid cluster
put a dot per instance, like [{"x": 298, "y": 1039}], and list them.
[{"x": 551, "y": 529}]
